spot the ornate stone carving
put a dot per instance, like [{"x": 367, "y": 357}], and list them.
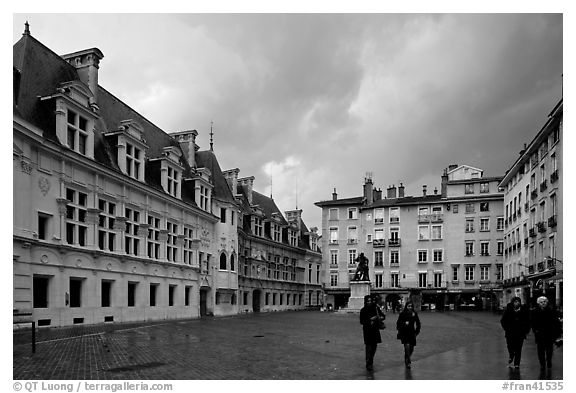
[
  {"x": 62, "y": 203},
  {"x": 44, "y": 258},
  {"x": 26, "y": 167},
  {"x": 44, "y": 185}
]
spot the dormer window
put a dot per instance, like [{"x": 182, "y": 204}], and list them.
[
  {"x": 292, "y": 237},
  {"x": 173, "y": 182},
  {"x": 276, "y": 233},
  {"x": 77, "y": 132},
  {"x": 133, "y": 161},
  {"x": 258, "y": 226}
]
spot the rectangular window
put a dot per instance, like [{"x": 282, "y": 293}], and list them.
[
  {"x": 352, "y": 235},
  {"x": 40, "y": 285},
  {"x": 352, "y": 256},
  {"x": 77, "y": 132},
  {"x": 469, "y": 249},
  {"x": 378, "y": 216},
  {"x": 293, "y": 237},
  {"x": 333, "y": 279},
  {"x": 43, "y": 225},
  {"x": 132, "y": 294},
  {"x": 333, "y": 235},
  {"x": 171, "y": 291},
  {"x": 422, "y": 277},
  {"x": 438, "y": 255},
  {"x": 500, "y": 247},
  {"x": 469, "y": 189},
  {"x": 422, "y": 256},
  {"x": 334, "y": 257},
  {"x": 171, "y": 247},
  {"x": 484, "y": 248},
  {"x": 173, "y": 182},
  {"x": 378, "y": 258},
  {"x": 258, "y": 226},
  {"x": 106, "y": 293},
  {"x": 469, "y": 225},
  {"x": 222, "y": 215},
  {"x": 454, "y": 273},
  {"x": 378, "y": 280},
  {"x": 352, "y": 213},
  {"x": 394, "y": 258},
  {"x": 469, "y": 273},
  {"x": 187, "y": 295},
  {"x": 394, "y": 237},
  {"x": 133, "y": 161},
  {"x": 131, "y": 240},
  {"x": 423, "y": 232},
  {"x": 76, "y": 210},
  {"x": 394, "y": 281},
  {"x": 438, "y": 280},
  {"x": 484, "y": 273},
  {"x": 470, "y": 208},
  {"x": 153, "y": 240},
  {"x": 204, "y": 199},
  {"x": 153, "y": 291},
  {"x": 333, "y": 214},
  {"x": 106, "y": 218},
  {"x": 75, "y": 292},
  {"x": 436, "y": 232},
  {"x": 394, "y": 215},
  {"x": 500, "y": 224},
  {"x": 484, "y": 224},
  {"x": 188, "y": 246},
  {"x": 484, "y": 188},
  {"x": 484, "y": 206}
]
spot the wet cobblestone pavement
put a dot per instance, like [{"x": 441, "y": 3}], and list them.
[{"x": 270, "y": 346}]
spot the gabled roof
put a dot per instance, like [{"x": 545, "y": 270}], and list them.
[{"x": 268, "y": 206}]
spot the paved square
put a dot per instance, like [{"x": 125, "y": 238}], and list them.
[{"x": 270, "y": 346}]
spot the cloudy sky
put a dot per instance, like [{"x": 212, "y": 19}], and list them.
[{"x": 312, "y": 102}]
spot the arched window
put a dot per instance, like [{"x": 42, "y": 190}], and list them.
[
  {"x": 232, "y": 262},
  {"x": 222, "y": 261}
]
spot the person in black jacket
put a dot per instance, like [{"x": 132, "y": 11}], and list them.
[
  {"x": 408, "y": 326},
  {"x": 547, "y": 328},
  {"x": 370, "y": 320},
  {"x": 516, "y": 324}
]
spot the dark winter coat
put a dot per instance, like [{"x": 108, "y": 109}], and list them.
[
  {"x": 516, "y": 323},
  {"x": 545, "y": 324},
  {"x": 370, "y": 328},
  {"x": 408, "y": 326}
]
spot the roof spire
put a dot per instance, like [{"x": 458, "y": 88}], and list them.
[
  {"x": 26, "y": 28},
  {"x": 211, "y": 137}
]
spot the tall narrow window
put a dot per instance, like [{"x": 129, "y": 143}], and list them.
[
  {"x": 133, "y": 161},
  {"x": 153, "y": 237},
  {"x": 77, "y": 134},
  {"x": 171, "y": 247},
  {"x": 106, "y": 218},
  {"x": 40, "y": 291},
  {"x": 131, "y": 294},
  {"x": 76, "y": 227},
  {"x": 106, "y": 293},
  {"x": 153, "y": 290},
  {"x": 75, "y": 292},
  {"x": 131, "y": 240},
  {"x": 173, "y": 182},
  {"x": 188, "y": 251}
]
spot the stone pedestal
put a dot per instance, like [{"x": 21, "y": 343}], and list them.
[{"x": 358, "y": 289}]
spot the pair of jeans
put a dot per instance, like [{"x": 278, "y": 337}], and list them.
[{"x": 514, "y": 345}]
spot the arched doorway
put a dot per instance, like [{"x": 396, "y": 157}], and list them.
[{"x": 256, "y": 295}]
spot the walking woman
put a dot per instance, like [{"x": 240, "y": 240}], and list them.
[
  {"x": 516, "y": 324},
  {"x": 547, "y": 328},
  {"x": 370, "y": 320},
  {"x": 408, "y": 326}
]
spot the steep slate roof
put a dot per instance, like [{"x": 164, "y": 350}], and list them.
[
  {"x": 39, "y": 71},
  {"x": 207, "y": 159},
  {"x": 267, "y": 205}
]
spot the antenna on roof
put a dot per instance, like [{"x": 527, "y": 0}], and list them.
[
  {"x": 271, "y": 182},
  {"x": 296, "y": 193},
  {"x": 211, "y": 137},
  {"x": 26, "y": 28}
]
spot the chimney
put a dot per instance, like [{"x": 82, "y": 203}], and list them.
[
  {"x": 401, "y": 191},
  {"x": 424, "y": 189},
  {"x": 231, "y": 176},
  {"x": 391, "y": 192},
  {"x": 435, "y": 190},
  {"x": 87, "y": 63},
  {"x": 444, "y": 185},
  {"x": 187, "y": 141},
  {"x": 377, "y": 194},
  {"x": 368, "y": 190},
  {"x": 248, "y": 182},
  {"x": 334, "y": 195},
  {"x": 294, "y": 216}
]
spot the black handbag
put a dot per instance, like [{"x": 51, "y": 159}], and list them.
[{"x": 381, "y": 324}]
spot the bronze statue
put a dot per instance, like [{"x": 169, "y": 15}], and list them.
[{"x": 362, "y": 269}]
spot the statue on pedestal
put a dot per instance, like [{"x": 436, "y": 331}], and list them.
[{"x": 362, "y": 269}]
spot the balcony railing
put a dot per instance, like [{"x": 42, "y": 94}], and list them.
[
  {"x": 352, "y": 241},
  {"x": 423, "y": 218},
  {"x": 552, "y": 221},
  {"x": 554, "y": 176},
  {"x": 543, "y": 185},
  {"x": 333, "y": 241},
  {"x": 541, "y": 266},
  {"x": 378, "y": 242},
  {"x": 394, "y": 243},
  {"x": 541, "y": 226},
  {"x": 438, "y": 217}
]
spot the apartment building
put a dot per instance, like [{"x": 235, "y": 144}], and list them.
[
  {"x": 439, "y": 249},
  {"x": 533, "y": 217}
]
